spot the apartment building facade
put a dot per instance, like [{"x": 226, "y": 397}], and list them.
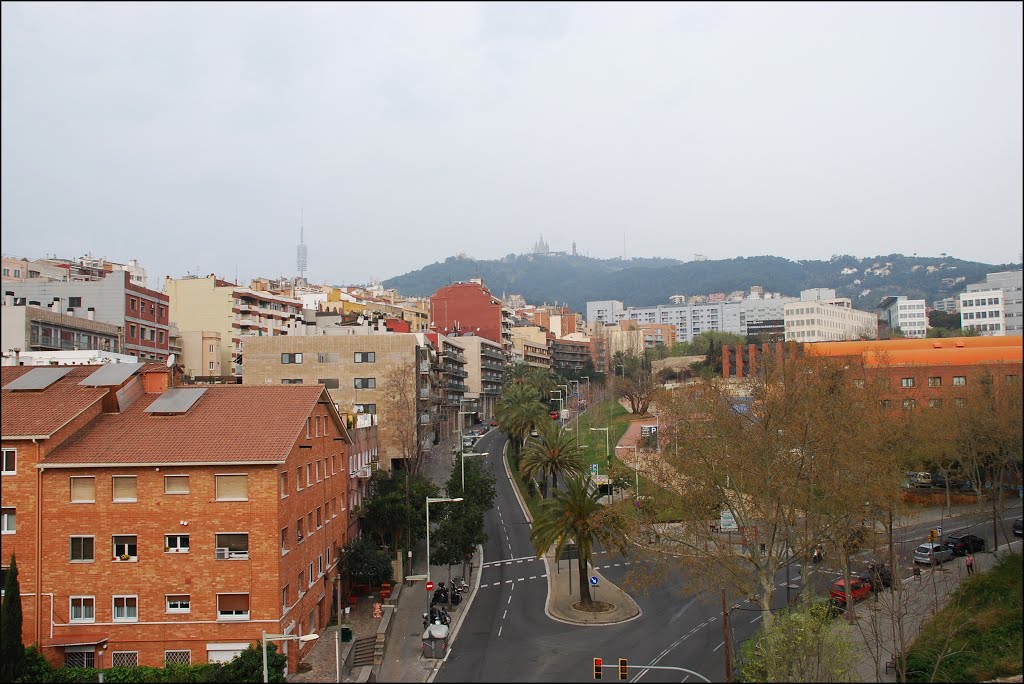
[
  {"x": 236, "y": 313},
  {"x": 485, "y": 371},
  {"x": 356, "y": 370},
  {"x": 158, "y": 525},
  {"x": 41, "y": 329},
  {"x": 741, "y": 316},
  {"x": 141, "y": 313},
  {"x": 532, "y": 344},
  {"x": 469, "y": 307}
]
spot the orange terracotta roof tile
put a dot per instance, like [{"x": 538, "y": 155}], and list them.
[
  {"x": 41, "y": 413},
  {"x": 228, "y": 424}
]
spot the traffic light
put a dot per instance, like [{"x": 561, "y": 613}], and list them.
[
  {"x": 597, "y": 668},
  {"x": 931, "y": 535},
  {"x": 623, "y": 669}
]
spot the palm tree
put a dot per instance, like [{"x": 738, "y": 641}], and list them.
[
  {"x": 544, "y": 381},
  {"x": 554, "y": 452},
  {"x": 517, "y": 412},
  {"x": 576, "y": 513},
  {"x": 517, "y": 374}
]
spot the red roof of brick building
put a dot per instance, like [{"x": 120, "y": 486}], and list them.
[
  {"x": 40, "y": 413},
  {"x": 227, "y": 424}
]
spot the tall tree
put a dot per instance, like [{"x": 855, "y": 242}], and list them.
[
  {"x": 576, "y": 513},
  {"x": 554, "y": 452},
  {"x": 12, "y": 650},
  {"x": 640, "y": 390},
  {"x": 518, "y": 412},
  {"x": 804, "y": 644}
]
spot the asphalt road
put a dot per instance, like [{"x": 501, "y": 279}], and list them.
[{"x": 508, "y": 637}]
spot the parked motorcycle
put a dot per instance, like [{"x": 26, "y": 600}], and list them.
[
  {"x": 459, "y": 584},
  {"x": 437, "y": 616}
]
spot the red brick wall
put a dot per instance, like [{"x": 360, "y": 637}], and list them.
[{"x": 198, "y": 573}]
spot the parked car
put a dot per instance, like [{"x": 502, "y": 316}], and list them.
[
  {"x": 933, "y": 553},
  {"x": 494, "y": 423},
  {"x": 878, "y": 576},
  {"x": 961, "y": 543},
  {"x": 1018, "y": 527},
  {"x": 859, "y": 589}
]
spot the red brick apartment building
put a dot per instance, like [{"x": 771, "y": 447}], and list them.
[
  {"x": 156, "y": 525},
  {"x": 468, "y": 308}
]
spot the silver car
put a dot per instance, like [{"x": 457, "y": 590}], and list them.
[{"x": 933, "y": 554}]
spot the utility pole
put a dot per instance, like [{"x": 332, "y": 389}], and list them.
[{"x": 725, "y": 638}]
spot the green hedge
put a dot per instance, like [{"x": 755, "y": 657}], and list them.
[{"x": 248, "y": 667}]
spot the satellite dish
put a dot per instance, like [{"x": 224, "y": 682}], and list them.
[{"x": 170, "y": 360}]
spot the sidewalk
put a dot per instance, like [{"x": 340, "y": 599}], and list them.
[
  {"x": 879, "y": 635},
  {"x": 403, "y": 659}
]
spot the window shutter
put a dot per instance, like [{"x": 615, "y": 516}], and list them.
[
  {"x": 233, "y": 602},
  {"x": 83, "y": 489},
  {"x": 124, "y": 487},
  {"x": 232, "y": 487},
  {"x": 176, "y": 484}
]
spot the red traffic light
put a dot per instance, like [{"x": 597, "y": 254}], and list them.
[
  {"x": 623, "y": 669},
  {"x": 597, "y": 668}
]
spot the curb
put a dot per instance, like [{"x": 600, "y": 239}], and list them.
[
  {"x": 564, "y": 621},
  {"x": 515, "y": 487}
]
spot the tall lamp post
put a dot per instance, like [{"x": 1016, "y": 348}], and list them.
[
  {"x": 587, "y": 378},
  {"x": 431, "y": 500},
  {"x": 305, "y": 638},
  {"x": 636, "y": 464},
  {"x": 462, "y": 413},
  {"x": 607, "y": 447}
]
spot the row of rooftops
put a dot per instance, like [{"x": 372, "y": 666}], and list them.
[{"x": 144, "y": 421}]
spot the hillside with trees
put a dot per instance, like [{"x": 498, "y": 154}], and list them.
[{"x": 575, "y": 279}]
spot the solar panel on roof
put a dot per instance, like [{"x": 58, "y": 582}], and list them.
[
  {"x": 177, "y": 400},
  {"x": 38, "y": 378},
  {"x": 111, "y": 374}
]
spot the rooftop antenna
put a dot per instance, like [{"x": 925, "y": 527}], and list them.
[{"x": 301, "y": 253}]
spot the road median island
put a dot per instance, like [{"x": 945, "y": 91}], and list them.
[{"x": 563, "y": 594}]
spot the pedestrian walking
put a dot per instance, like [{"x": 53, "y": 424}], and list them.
[{"x": 970, "y": 563}]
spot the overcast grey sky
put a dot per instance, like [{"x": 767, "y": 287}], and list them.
[{"x": 190, "y": 136}]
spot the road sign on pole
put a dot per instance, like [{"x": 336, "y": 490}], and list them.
[
  {"x": 430, "y": 587},
  {"x": 593, "y": 580},
  {"x": 593, "y": 469}
]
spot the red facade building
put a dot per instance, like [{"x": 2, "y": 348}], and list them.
[
  {"x": 467, "y": 308},
  {"x": 159, "y": 525}
]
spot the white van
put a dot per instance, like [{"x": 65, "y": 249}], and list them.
[{"x": 923, "y": 479}]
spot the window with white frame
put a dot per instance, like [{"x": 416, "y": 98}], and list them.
[
  {"x": 83, "y": 490},
  {"x": 124, "y": 488},
  {"x": 284, "y": 483},
  {"x": 177, "y": 657},
  {"x": 9, "y": 521},
  {"x": 284, "y": 598},
  {"x": 309, "y": 474},
  {"x": 232, "y": 606},
  {"x": 959, "y": 380},
  {"x": 299, "y": 532},
  {"x": 284, "y": 540},
  {"x": 232, "y": 487},
  {"x": 365, "y": 383},
  {"x": 907, "y": 382},
  {"x": 320, "y": 565},
  {"x": 232, "y": 546},
  {"x": 83, "y": 549},
  {"x": 10, "y": 461},
  {"x": 125, "y": 547},
  {"x": 83, "y": 609},
  {"x": 126, "y": 609},
  {"x": 312, "y": 577},
  {"x": 298, "y": 479},
  {"x": 175, "y": 543},
  {"x": 365, "y": 357},
  {"x": 334, "y": 507},
  {"x": 176, "y": 484},
  {"x": 178, "y": 603},
  {"x": 291, "y": 358},
  {"x": 124, "y": 659},
  {"x": 316, "y": 469}
]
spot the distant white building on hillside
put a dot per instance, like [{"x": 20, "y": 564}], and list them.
[{"x": 906, "y": 315}]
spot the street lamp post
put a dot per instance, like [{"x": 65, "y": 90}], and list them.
[
  {"x": 636, "y": 464},
  {"x": 607, "y": 447},
  {"x": 587, "y": 378},
  {"x": 305, "y": 638},
  {"x": 462, "y": 413},
  {"x": 431, "y": 500}
]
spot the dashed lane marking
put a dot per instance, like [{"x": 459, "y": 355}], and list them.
[{"x": 718, "y": 647}]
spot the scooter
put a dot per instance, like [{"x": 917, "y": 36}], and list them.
[
  {"x": 437, "y": 616},
  {"x": 459, "y": 584}
]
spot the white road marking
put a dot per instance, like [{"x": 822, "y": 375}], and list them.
[
  {"x": 504, "y": 614},
  {"x": 712, "y": 619},
  {"x": 512, "y": 589},
  {"x": 520, "y": 579},
  {"x": 533, "y": 577},
  {"x": 718, "y": 647},
  {"x": 509, "y": 600},
  {"x": 499, "y": 629},
  {"x": 508, "y": 581},
  {"x": 756, "y": 619}
]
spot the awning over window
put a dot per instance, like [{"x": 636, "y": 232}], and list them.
[{"x": 63, "y": 640}]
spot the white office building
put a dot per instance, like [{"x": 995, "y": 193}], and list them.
[
  {"x": 740, "y": 317},
  {"x": 995, "y": 306},
  {"x": 906, "y": 315},
  {"x": 820, "y": 316}
]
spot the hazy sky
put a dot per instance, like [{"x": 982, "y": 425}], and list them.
[{"x": 190, "y": 136}]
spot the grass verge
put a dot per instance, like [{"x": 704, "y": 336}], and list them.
[{"x": 978, "y": 635}]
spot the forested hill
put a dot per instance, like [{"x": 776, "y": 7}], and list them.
[{"x": 574, "y": 280}]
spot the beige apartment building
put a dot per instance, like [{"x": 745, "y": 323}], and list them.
[
  {"x": 201, "y": 353},
  {"x": 235, "y": 312},
  {"x": 820, "y": 316},
  {"x": 355, "y": 370},
  {"x": 530, "y": 343},
  {"x": 485, "y": 369}
]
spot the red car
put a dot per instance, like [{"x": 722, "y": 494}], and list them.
[
  {"x": 554, "y": 415},
  {"x": 859, "y": 589}
]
